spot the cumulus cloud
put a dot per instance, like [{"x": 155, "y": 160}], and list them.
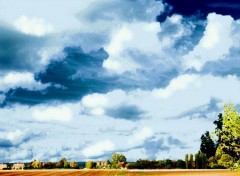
[
  {"x": 98, "y": 149},
  {"x": 139, "y": 136},
  {"x": 25, "y": 80},
  {"x": 33, "y": 26},
  {"x": 55, "y": 113},
  {"x": 177, "y": 84},
  {"x": 17, "y": 138},
  {"x": 215, "y": 43}
]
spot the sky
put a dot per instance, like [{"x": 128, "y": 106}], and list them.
[{"x": 86, "y": 79}]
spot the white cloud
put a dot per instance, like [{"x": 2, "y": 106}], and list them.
[
  {"x": 18, "y": 136},
  {"x": 17, "y": 79},
  {"x": 178, "y": 84},
  {"x": 141, "y": 36},
  {"x": 33, "y": 26},
  {"x": 54, "y": 113},
  {"x": 139, "y": 136},
  {"x": 98, "y": 149},
  {"x": 118, "y": 40},
  {"x": 95, "y": 100},
  {"x": 215, "y": 43}
]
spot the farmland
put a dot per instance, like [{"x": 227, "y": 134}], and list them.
[{"x": 112, "y": 172}]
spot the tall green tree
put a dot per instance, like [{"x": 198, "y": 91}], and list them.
[
  {"x": 191, "y": 162},
  {"x": 229, "y": 136},
  {"x": 207, "y": 145},
  {"x": 219, "y": 126},
  {"x": 186, "y": 160}
]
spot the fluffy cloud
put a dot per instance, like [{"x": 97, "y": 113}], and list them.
[
  {"x": 56, "y": 113},
  {"x": 17, "y": 138},
  {"x": 25, "y": 80},
  {"x": 98, "y": 149},
  {"x": 127, "y": 76},
  {"x": 215, "y": 43},
  {"x": 177, "y": 84},
  {"x": 140, "y": 136},
  {"x": 33, "y": 26}
]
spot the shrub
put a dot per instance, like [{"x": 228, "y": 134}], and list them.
[
  {"x": 49, "y": 165},
  {"x": 181, "y": 164},
  {"x": 168, "y": 164}
]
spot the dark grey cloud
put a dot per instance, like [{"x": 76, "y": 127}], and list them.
[
  {"x": 142, "y": 10},
  {"x": 18, "y": 52},
  {"x": 201, "y": 8},
  {"x": 127, "y": 112},
  {"x": 80, "y": 73}
]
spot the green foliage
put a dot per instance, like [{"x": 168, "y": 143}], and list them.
[
  {"x": 90, "y": 164},
  {"x": 36, "y": 164},
  {"x": 117, "y": 157},
  {"x": 49, "y": 165},
  {"x": 226, "y": 161},
  {"x": 169, "y": 164},
  {"x": 207, "y": 145},
  {"x": 191, "y": 166},
  {"x": 181, "y": 164},
  {"x": 73, "y": 164},
  {"x": 115, "y": 166},
  {"x": 62, "y": 163},
  {"x": 200, "y": 161},
  {"x": 229, "y": 136},
  {"x": 186, "y": 161}
]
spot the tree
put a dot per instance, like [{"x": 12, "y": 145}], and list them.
[
  {"x": 229, "y": 133},
  {"x": 73, "y": 164},
  {"x": 117, "y": 157},
  {"x": 49, "y": 165},
  {"x": 62, "y": 163},
  {"x": 181, "y": 164},
  {"x": 207, "y": 145},
  {"x": 89, "y": 164},
  {"x": 200, "y": 160},
  {"x": 226, "y": 161},
  {"x": 186, "y": 160},
  {"x": 36, "y": 164},
  {"x": 191, "y": 161}
]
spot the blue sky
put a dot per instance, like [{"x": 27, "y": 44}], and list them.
[{"x": 83, "y": 80}]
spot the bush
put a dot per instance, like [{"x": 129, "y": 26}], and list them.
[
  {"x": 169, "y": 164},
  {"x": 49, "y": 165},
  {"x": 181, "y": 164}
]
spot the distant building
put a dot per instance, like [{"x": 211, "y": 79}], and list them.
[
  {"x": 18, "y": 166},
  {"x": 101, "y": 163},
  {"x": 3, "y": 166}
]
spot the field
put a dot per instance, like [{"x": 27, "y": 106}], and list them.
[{"x": 119, "y": 172}]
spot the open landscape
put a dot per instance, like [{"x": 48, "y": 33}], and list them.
[
  {"x": 119, "y": 87},
  {"x": 113, "y": 172}
]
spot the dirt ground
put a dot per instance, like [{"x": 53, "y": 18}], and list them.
[{"x": 120, "y": 173}]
